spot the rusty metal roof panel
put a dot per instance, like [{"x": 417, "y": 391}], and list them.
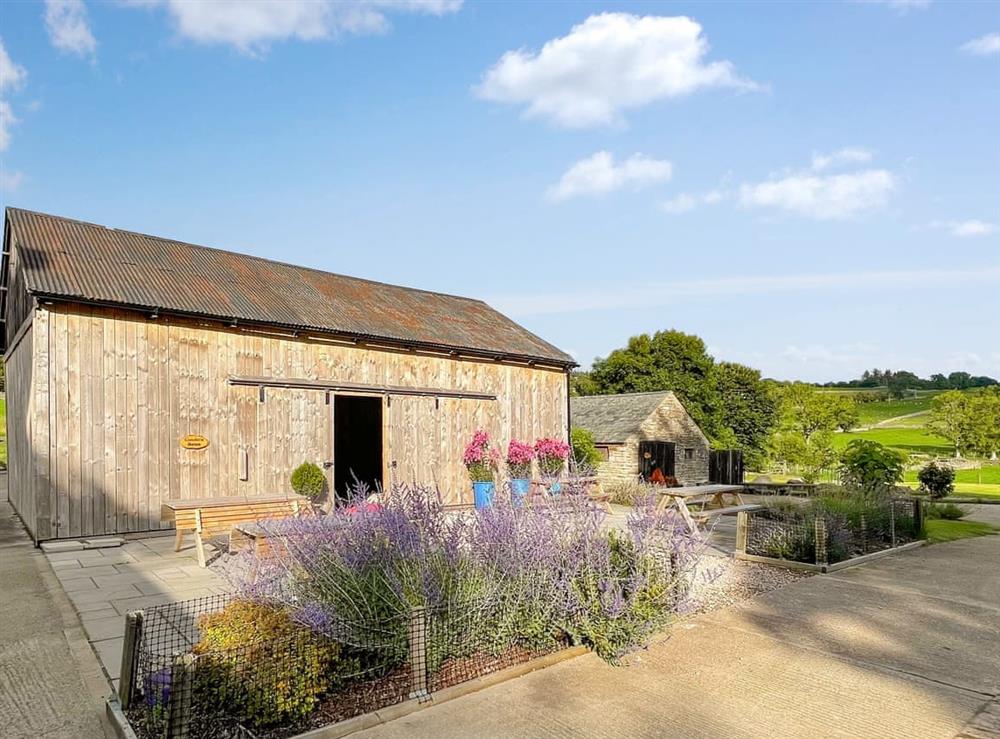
[{"x": 91, "y": 263}]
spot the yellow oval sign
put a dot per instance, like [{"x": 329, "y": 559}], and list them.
[{"x": 194, "y": 441}]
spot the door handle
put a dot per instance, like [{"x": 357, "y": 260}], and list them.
[{"x": 327, "y": 464}]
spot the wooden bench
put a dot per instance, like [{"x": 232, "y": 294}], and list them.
[
  {"x": 709, "y": 513},
  {"x": 207, "y": 517}
]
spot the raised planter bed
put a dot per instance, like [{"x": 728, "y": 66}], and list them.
[{"x": 818, "y": 543}]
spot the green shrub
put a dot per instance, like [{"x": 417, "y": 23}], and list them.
[
  {"x": 936, "y": 480},
  {"x": 870, "y": 467},
  {"x": 308, "y": 480},
  {"x": 584, "y": 451},
  {"x": 256, "y": 663},
  {"x": 947, "y": 511}
]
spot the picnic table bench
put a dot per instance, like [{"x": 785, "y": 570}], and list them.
[
  {"x": 205, "y": 517},
  {"x": 709, "y": 499}
]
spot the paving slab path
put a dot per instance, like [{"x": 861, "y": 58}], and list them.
[
  {"x": 51, "y": 684},
  {"x": 907, "y": 646}
]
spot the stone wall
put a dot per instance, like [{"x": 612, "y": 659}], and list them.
[{"x": 669, "y": 422}]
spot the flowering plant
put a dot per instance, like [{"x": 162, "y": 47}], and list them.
[
  {"x": 519, "y": 456},
  {"x": 552, "y": 455},
  {"x": 479, "y": 458}
]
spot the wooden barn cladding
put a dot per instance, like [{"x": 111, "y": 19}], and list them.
[{"x": 100, "y": 396}]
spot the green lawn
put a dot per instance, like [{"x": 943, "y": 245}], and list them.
[
  {"x": 940, "y": 530},
  {"x": 907, "y": 440},
  {"x": 871, "y": 413}
]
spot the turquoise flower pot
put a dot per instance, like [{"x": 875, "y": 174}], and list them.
[
  {"x": 483, "y": 494},
  {"x": 519, "y": 491},
  {"x": 555, "y": 489}
]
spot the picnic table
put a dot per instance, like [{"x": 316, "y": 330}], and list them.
[
  {"x": 709, "y": 501},
  {"x": 207, "y": 516},
  {"x": 540, "y": 491}
]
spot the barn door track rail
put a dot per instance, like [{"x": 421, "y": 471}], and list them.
[{"x": 355, "y": 387}]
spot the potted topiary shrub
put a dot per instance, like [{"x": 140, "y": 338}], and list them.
[
  {"x": 309, "y": 481},
  {"x": 481, "y": 462},
  {"x": 519, "y": 456}
]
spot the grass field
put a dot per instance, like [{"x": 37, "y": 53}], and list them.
[
  {"x": 909, "y": 440},
  {"x": 871, "y": 413},
  {"x": 940, "y": 530}
]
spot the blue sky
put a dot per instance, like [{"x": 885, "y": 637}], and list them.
[{"x": 812, "y": 188}]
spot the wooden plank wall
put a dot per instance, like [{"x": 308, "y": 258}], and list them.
[
  {"x": 20, "y": 465},
  {"x": 124, "y": 389}
]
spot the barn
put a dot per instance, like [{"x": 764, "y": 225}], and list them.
[
  {"x": 142, "y": 370},
  {"x": 637, "y": 433}
]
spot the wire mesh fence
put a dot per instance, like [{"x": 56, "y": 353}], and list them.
[
  {"x": 830, "y": 530},
  {"x": 191, "y": 669}
]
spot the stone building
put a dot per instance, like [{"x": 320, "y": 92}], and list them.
[{"x": 638, "y": 433}]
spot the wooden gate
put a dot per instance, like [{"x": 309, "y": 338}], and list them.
[
  {"x": 725, "y": 466},
  {"x": 656, "y": 455}
]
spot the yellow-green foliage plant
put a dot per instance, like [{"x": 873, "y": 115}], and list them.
[{"x": 257, "y": 663}]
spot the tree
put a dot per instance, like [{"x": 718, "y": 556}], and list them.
[
  {"x": 581, "y": 383},
  {"x": 808, "y": 420},
  {"x": 584, "y": 451},
  {"x": 667, "y": 360},
  {"x": 983, "y": 423},
  {"x": 870, "y": 467},
  {"x": 951, "y": 419},
  {"x": 748, "y": 409}
]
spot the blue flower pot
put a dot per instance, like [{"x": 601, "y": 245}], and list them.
[
  {"x": 483, "y": 493},
  {"x": 555, "y": 489},
  {"x": 519, "y": 491}
]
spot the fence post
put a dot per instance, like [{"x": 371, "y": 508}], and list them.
[
  {"x": 918, "y": 517},
  {"x": 130, "y": 658},
  {"x": 181, "y": 688},
  {"x": 821, "y": 553},
  {"x": 741, "y": 531},
  {"x": 418, "y": 652}
]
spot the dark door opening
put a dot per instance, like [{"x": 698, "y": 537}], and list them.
[
  {"x": 656, "y": 455},
  {"x": 357, "y": 443}
]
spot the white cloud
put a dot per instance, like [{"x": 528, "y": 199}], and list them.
[
  {"x": 599, "y": 174},
  {"x": 9, "y": 181},
  {"x": 680, "y": 204},
  {"x": 606, "y": 65},
  {"x": 686, "y": 201},
  {"x": 655, "y": 294},
  {"x": 901, "y": 6},
  {"x": 68, "y": 27},
  {"x": 987, "y": 45},
  {"x": 7, "y": 120},
  {"x": 849, "y": 155},
  {"x": 965, "y": 229},
  {"x": 830, "y": 197},
  {"x": 253, "y": 26},
  {"x": 12, "y": 75}
]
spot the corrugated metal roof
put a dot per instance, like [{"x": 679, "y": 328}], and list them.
[
  {"x": 614, "y": 418},
  {"x": 81, "y": 261}
]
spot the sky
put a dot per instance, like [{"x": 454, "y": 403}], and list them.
[{"x": 812, "y": 188}]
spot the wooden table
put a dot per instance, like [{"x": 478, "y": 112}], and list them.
[
  {"x": 206, "y": 516},
  {"x": 539, "y": 490},
  {"x": 712, "y": 500}
]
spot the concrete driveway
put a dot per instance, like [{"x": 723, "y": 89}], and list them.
[{"x": 908, "y": 646}]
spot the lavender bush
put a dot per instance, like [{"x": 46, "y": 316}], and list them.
[{"x": 533, "y": 577}]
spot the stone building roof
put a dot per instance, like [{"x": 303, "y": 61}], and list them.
[{"x": 613, "y": 419}]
